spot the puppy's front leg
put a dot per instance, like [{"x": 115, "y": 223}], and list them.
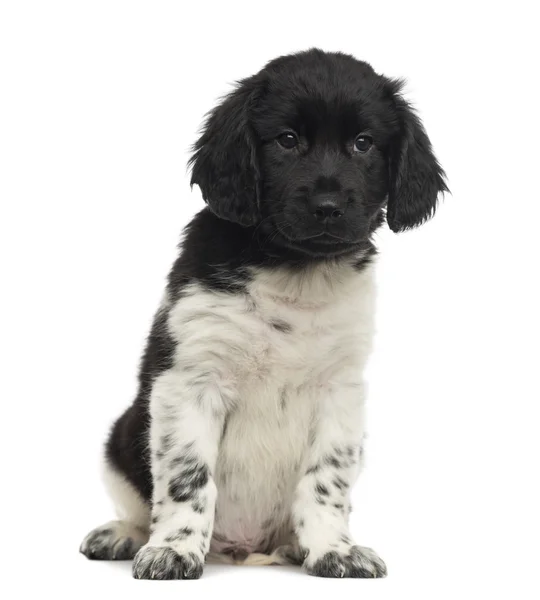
[
  {"x": 186, "y": 425},
  {"x": 321, "y": 506}
]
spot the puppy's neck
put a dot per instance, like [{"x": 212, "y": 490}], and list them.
[{"x": 315, "y": 283}]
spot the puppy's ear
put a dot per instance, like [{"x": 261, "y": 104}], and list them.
[
  {"x": 416, "y": 178},
  {"x": 224, "y": 161}
]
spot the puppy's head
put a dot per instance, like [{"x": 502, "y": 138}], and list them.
[{"x": 311, "y": 149}]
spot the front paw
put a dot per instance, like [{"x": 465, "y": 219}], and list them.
[
  {"x": 152, "y": 562},
  {"x": 356, "y": 562}
]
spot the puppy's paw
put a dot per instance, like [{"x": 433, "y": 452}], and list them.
[
  {"x": 116, "y": 540},
  {"x": 154, "y": 562},
  {"x": 356, "y": 562}
]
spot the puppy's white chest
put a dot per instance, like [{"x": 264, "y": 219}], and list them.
[{"x": 267, "y": 431}]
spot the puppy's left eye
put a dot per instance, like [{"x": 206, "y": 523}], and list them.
[
  {"x": 288, "y": 140},
  {"x": 363, "y": 143}
]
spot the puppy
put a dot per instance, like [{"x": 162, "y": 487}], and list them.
[{"x": 246, "y": 434}]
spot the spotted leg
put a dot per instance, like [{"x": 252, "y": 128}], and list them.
[
  {"x": 321, "y": 506},
  {"x": 185, "y": 432}
]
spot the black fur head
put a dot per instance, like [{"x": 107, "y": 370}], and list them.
[{"x": 312, "y": 149}]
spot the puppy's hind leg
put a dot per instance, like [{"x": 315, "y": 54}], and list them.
[{"x": 119, "y": 540}]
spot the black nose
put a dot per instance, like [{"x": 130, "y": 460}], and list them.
[{"x": 326, "y": 211}]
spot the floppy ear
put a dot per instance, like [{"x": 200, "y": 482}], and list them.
[
  {"x": 224, "y": 161},
  {"x": 416, "y": 178}
]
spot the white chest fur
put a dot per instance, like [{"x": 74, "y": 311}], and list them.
[{"x": 268, "y": 355}]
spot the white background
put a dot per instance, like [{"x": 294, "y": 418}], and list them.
[{"x": 99, "y": 104}]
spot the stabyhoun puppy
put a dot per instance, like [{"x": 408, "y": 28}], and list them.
[{"x": 245, "y": 437}]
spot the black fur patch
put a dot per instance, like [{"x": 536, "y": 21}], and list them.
[
  {"x": 189, "y": 480},
  {"x": 370, "y": 253},
  {"x": 321, "y": 489},
  {"x": 340, "y": 483},
  {"x": 333, "y": 461},
  {"x": 180, "y": 534},
  {"x": 198, "y": 507},
  {"x": 281, "y": 326}
]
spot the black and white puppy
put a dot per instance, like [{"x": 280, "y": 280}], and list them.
[{"x": 245, "y": 437}]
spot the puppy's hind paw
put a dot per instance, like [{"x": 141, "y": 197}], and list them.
[
  {"x": 358, "y": 562},
  {"x": 117, "y": 540},
  {"x": 154, "y": 562}
]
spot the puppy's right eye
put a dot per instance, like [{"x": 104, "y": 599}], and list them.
[{"x": 287, "y": 140}]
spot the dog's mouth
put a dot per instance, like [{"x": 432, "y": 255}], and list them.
[
  {"x": 324, "y": 236},
  {"x": 323, "y": 243}
]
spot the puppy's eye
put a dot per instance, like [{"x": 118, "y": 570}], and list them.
[
  {"x": 363, "y": 143},
  {"x": 288, "y": 140}
]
